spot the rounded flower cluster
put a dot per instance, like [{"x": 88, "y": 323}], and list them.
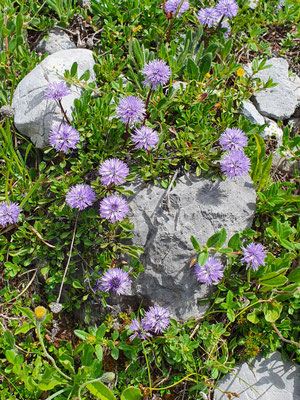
[
  {"x": 56, "y": 91},
  {"x": 172, "y": 7},
  {"x": 113, "y": 171},
  {"x": 115, "y": 280},
  {"x": 145, "y": 137},
  {"x": 211, "y": 272},
  {"x": 272, "y": 130},
  {"x": 9, "y": 213},
  {"x": 233, "y": 139},
  {"x": 254, "y": 255},
  {"x": 114, "y": 208},
  {"x": 157, "y": 73},
  {"x": 235, "y": 164},
  {"x": 208, "y": 16},
  {"x": 80, "y": 196},
  {"x": 64, "y": 137},
  {"x": 131, "y": 110}
]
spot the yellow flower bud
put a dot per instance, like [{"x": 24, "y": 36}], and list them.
[
  {"x": 240, "y": 72},
  {"x": 40, "y": 313},
  {"x": 208, "y": 75}
]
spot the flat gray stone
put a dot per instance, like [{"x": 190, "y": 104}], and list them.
[
  {"x": 36, "y": 116},
  {"x": 251, "y": 113},
  {"x": 271, "y": 379},
  {"x": 57, "y": 40},
  {"x": 197, "y": 207},
  {"x": 278, "y": 102}
]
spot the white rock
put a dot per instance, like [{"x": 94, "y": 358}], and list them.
[
  {"x": 251, "y": 113},
  {"x": 57, "y": 40},
  {"x": 34, "y": 115},
  {"x": 198, "y": 207},
  {"x": 281, "y": 101},
  {"x": 265, "y": 379}
]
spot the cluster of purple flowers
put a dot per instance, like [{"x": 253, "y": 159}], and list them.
[
  {"x": 211, "y": 272},
  {"x": 64, "y": 137},
  {"x": 254, "y": 255},
  {"x": 211, "y": 16},
  {"x": 173, "y": 7},
  {"x": 156, "y": 320},
  {"x": 235, "y": 163},
  {"x": 9, "y": 213},
  {"x": 56, "y": 91},
  {"x": 114, "y": 280},
  {"x": 132, "y": 110},
  {"x": 80, "y": 196}
]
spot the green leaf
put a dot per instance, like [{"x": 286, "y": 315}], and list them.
[
  {"x": 138, "y": 52},
  {"x": 217, "y": 240},
  {"x": 50, "y": 383},
  {"x": 192, "y": 69},
  {"x": 81, "y": 334},
  {"x": 275, "y": 278},
  {"x": 101, "y": 391},
  {"x": 19, "y": 24},
  {"x": 195, "y": 244},
  {"x": 294, "y": 276},
  {"x": 85, "y": 76},
  {"x": 253, "y": 317},
  {"x": 27, "y": 312},
  {"x": 24, "y": 328},
  {"x": 272, "y": 311},
  {"x": 74, "y": 69},
  {"x": 205, "y": 65},
  {"x": 9, "y": 338},
  {"x": 230, "y": 315},
  {"x": 131, "y": 393},
  {"x": 99, "y": 352},
  {"x": 11, "y": 355},
  {"x": 202, "y": 258}
]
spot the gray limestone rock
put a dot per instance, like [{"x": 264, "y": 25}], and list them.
[
  {"x": 163, "y": 228},
  {"x": 34, "y": 115},
  {"x": 57, "y": 40},
  {"x": 251, "y": 113},
  {"x": 266, "y": 379},
  {"x": 281, "y": 101}
]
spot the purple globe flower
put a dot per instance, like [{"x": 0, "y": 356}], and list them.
[
  {"x": 157, "y": 73},
  {"x": 64, "y": 137},
  {"x": 113, "y": 171},
  {"x": 211, "y": 271},
  {"x": 9, "y": 213},
  {"x": 115, "y": 280},
  {"x": 145, "y": 137},
  {"x": 157, "y": 319},
  {"x": 208, "y": 16},
  {"x": 233, "y": 139},
  {"x": 228, "y": 8},
  {"x": 139, "y": 329},
  {"x": 254, "y": 255},
  {"x": 171, "y": 7},
  {"x": 114, "y": 208},
  {"x": 130, "y": 110},
  {"x": 235, "y": 164},
  {"x": 80, "y": 196},
  {"x": 56, "y": 91}
]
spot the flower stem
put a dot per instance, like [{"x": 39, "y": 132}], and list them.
[
  {"x": 147, "y": 104},
  {"x": 68, "y": 262},
  {"x": 63, "y": 112},
  {"x": 38, "y": 330}
]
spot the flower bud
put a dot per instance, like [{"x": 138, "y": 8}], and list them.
[{"x": 40, "y": 313}]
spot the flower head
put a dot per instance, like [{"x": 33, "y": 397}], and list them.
[
  {"x": 114, "y": 208},
  {"x": 9, "y": 213},
  {"x": 235, "y": 164},
  {"x": 211, "y": 271},
  {"x": 115, "y": 280},
  {"x": 254, "y": 255},
  {"x": 233, "y": 139},
  {"x": 157, "y": 73},
  {"x": 272, "y": 130},
  {"x": 157, "y": 319},
  {"x": 130, "y": 110},
  {"x": 145, "y": 137},
  {"x": 40, "y": 313},
  {"x": 139, "y": 329},
  {"x": 64, "y": 137},
  {"x": 208, "y": 16},
  {"x": 240, "y": 72},
  {"x": 56, "y": 91},
  {"x": 229, "y": 8},
  {"x": 80, "y": 196},
  {"x": 113, "y": 171},
  {"x": 171, "y": 7}
]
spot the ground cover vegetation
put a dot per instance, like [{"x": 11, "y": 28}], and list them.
[{"x": 64, "y": 224}]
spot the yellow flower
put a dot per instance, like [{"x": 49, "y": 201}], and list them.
[
  {"x": 240, "y": 72},
  {"x": 136, "y": 29},
  {"x": 208, "y": 75},
  {"x": 40, "y": 313}
]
